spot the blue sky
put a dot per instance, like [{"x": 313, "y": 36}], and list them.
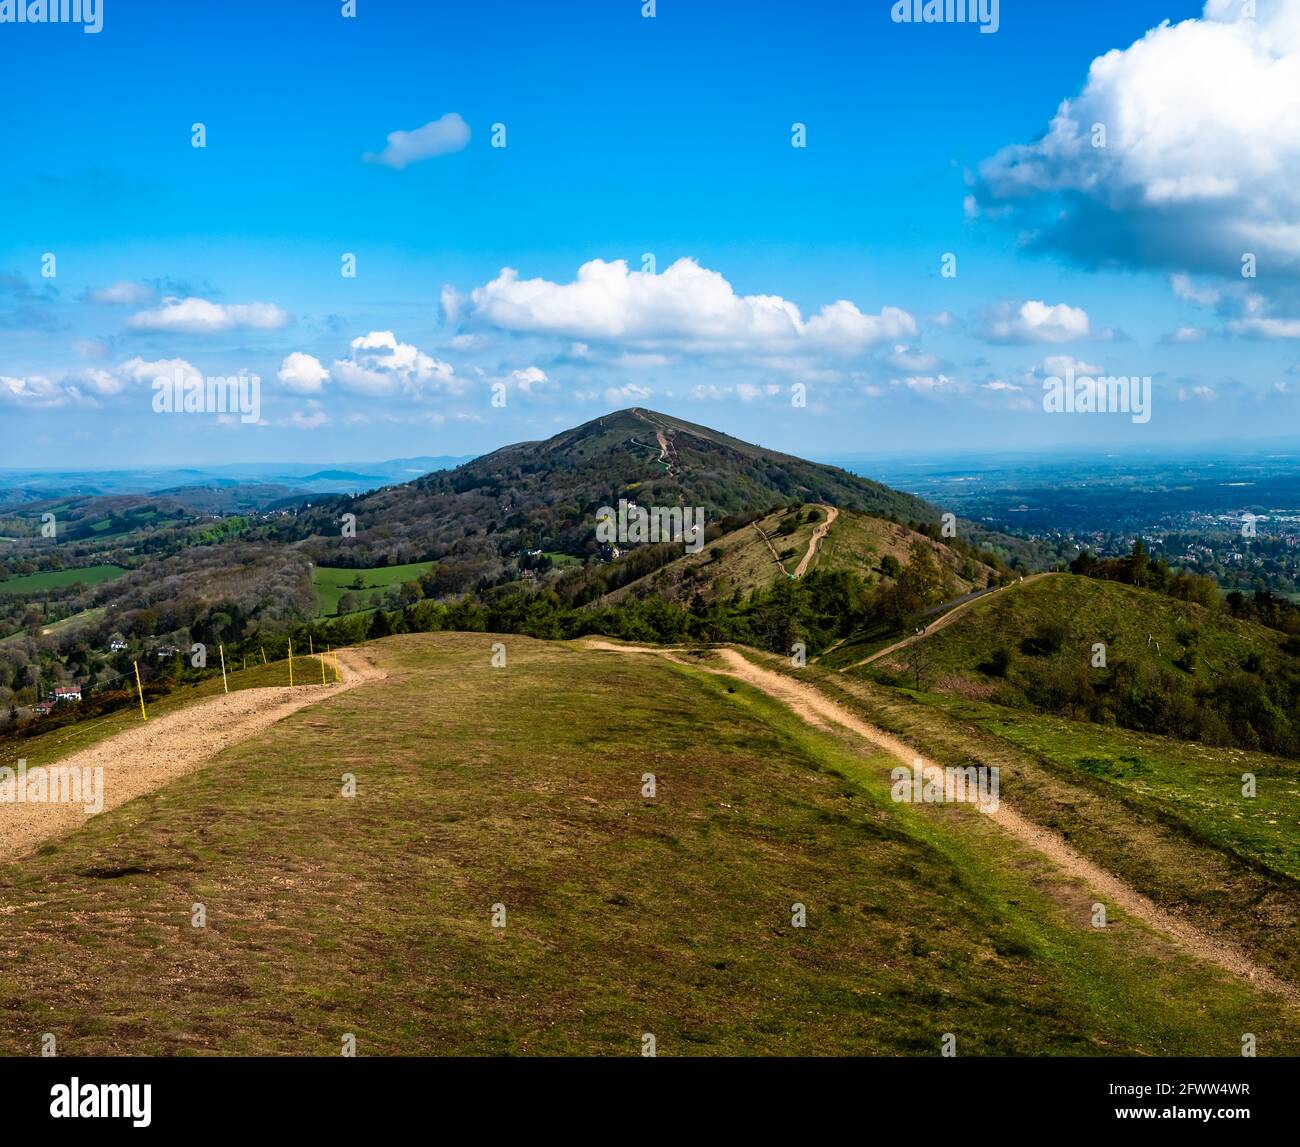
[{"x": 625, "y": 135}]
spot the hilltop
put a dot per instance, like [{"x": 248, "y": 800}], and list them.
[{"x": 545, "y": 495}]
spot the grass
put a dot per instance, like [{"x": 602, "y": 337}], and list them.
[
  {"x": 1166, "y": 816},
  {"x": 746, "y": 561},
  {"x": 60, "y": 579},
  {"x": 522, "y": 786},
  {"x": 332, "y": 582},
  {"x": 1195, "y": 785},
  {"x": 1134, "y": 625}
]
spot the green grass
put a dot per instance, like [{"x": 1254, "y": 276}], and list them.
[
  {"x": 522, "y": 786},
  {"x": 1195, "y": 785},
  {"x": 332, "y": 582},
  {"x": 60, "y": 579},
  {"x": 1089, "y": 611},
  {"x": 1167, "y": 816}
]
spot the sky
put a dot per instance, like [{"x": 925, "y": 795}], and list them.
[{"x": 436, "y": 228}]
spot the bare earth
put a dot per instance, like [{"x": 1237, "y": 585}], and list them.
[
  {"x": 823, "y": 713},
  {"x": 158, "y": 751},
  {"x": 819, "y": 532}
]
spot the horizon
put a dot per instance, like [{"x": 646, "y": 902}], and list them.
[{"x": 901, "y": 271}]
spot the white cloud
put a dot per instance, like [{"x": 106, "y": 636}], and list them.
[
  {"x": 1193, "y": 173},
  {"x": 1187, "y": 335},
  {"x": 528, "y": 378},
  {"x": 687, "y": 307},
  {"x": 137, "y": 371},
  {"x": 308, "y": 420},
  {"x": 914, "y": 361},
  {"x": 1257, "y": 320},
  {"x": 1059, "y": 365},
  {"x": 439, "y": 137},
  {"x": 302, "y": 373},
  {"x": 199, "y": 316},
  {"x": 1036, "y": 321},
  {"x": 1184, "y": 288},
  {"x": 617, "y": 395},
  {"x": 130, "y": 294},
  {"x": 380, "y": 365},
  {"x": 34, "y": 390}
]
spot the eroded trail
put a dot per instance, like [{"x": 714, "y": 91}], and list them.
[
  {"x": 819, "y": 532},
  {"x": 818, "y": 710},
  {"x": 158, "y": 751}
]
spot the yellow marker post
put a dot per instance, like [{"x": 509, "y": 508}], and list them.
[
  {"x": 311, "y": 649},
  {"x": 290, "y": 663},
  {"x": 263, "y": 654},
  {"x": 140, "y": 690},
  {"x": 224, "y": 683},
  {"x": 321, "y": 658}
]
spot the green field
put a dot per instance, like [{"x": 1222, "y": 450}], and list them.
[
  {"x": 332, "y": 582},
  {"x": 625, "y": 914},
  {"x": 60, "y": 579}
]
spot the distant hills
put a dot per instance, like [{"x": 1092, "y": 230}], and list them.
[{"x": 289, "y": 479}]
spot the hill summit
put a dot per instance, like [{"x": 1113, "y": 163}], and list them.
[{"x": 545, "y": 494}]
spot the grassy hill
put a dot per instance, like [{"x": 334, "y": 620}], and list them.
[
  {"x": 625, "y": 914},
  {"x": 1171, "y": 666},
  {"x": 765, "y": 551}
]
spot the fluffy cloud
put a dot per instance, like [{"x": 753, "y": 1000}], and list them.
[
  {"x": 199, "y": 316},
  {"x": 123, "y": 293},
  {"x": 529, "y": 378},
  {"x": 34, "y": 390},
  {"x": 379, "y": 365},
  {"x": 686, "y": 308},
  {"x": 133, "y": 372},
  {"x": 440, "y": 137},
  {"x": 302, "y": 373},
  {"x": 1036, "y": 321},
  {"x": 1201, "y": 161}
]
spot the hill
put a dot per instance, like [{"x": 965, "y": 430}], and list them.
[
  {"x": 540, "y": 902},
  {"x": 773, "y": 547},
  {"x": 1170, "y": 666},
  {"x": 544, "y": 495}
]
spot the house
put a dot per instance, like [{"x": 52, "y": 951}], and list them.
[
  {"x": 42, "y": 709},
  {"x": 117, "y": 643},
  {"x": 66, "y": 693}
]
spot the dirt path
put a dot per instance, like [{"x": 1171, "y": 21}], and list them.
[
  {"x": 935, "y": 626},
  {"x": 149, "y": 755},
  {"x": 823, "y": 713},
  {"x": 775, "y": 556},
  {"x": 818, "y": 533},
  {"x": 664, "y": 445}
]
